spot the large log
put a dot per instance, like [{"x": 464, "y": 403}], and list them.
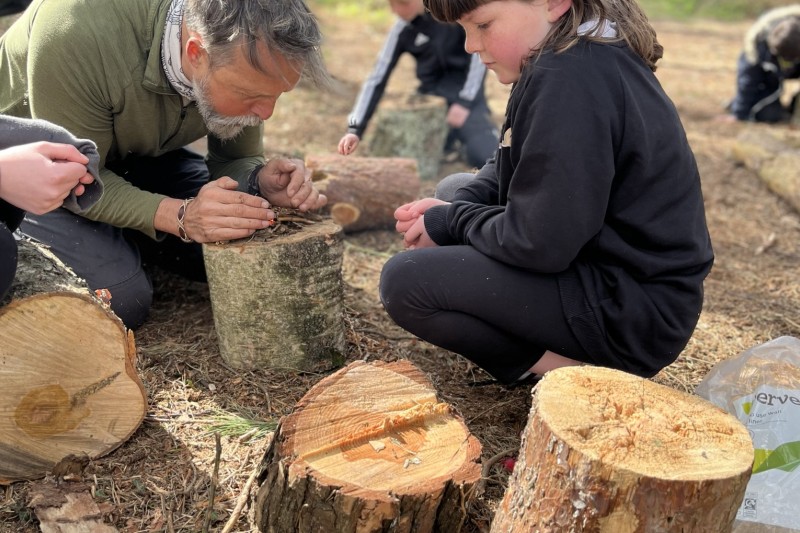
[
  {"x": 773, "y": 153},
  {"x": 416, "y": 128},
  {"x": 363, "y": 192},
  {"x": 68, "y": 372},
  {"x": 39, "y": 271},
  {"x": 606, "y": 451},
  {"x": 368, "y": 449},
  {"x": 278, "y": 297}
]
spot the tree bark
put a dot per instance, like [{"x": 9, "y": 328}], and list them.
[
  {"x": 278, "y": 297},
  {"x": 39, "y": 271},
  {"x": 363, "y": 192},
  {"x": 606, "y": 451},
  {"x": 369, "y": 449},
  {"x": 774, "y": 155},
  {"x": 68, "y": 508},
  {"x": 417, "y": 130},
  {"x": 68, "y": 373}
]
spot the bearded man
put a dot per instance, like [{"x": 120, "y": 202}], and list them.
[{"x": 143, "y": 79}]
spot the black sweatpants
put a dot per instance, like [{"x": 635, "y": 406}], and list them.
[
  {"x": 112, "y": 258},
  {"x": 10, "y": 217},
  {"x": 499, "y": 317},
  {"x": 8, "y": 259}
]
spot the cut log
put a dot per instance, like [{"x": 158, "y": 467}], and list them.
[
  {"x": 774, "y": 155},
  {"x": 607, "y": 451},
  {"x": 39, "y": 271},
  {"x": 416, "y": 129},
  {"x": 278, "y": 297},
  {"x": 369, "y": 449},
  {"x": 68, "y": 373},
  {"x": 363, "y": 192}
]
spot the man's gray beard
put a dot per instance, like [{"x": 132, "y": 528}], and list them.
[{"x": 225, "y": 128}]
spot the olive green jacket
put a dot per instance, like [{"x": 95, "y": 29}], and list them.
[{"x": 94, "y": 68}]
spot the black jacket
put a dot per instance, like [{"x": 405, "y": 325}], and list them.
[
  {"x": 443, "y": 68},
  {"x": 595, "y": 183}
]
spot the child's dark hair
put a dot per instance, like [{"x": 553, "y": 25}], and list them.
[{"x": 632, "y": 24}]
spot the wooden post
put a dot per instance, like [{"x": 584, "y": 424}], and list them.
[
  {"x": 68, "y": 371},
  {"x": 606, "y": 451},
  {"x": 417, "y": 129},
  {"x": 278, "y": 297},
  {"x": 363, "y": 192},
  {"x": 369, "y": 449}
]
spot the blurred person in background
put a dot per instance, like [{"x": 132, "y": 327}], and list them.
[{"x": 770, "y": 55}]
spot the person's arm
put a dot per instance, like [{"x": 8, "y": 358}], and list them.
[
  {"x": 756, "y": 81},
  {"x": 473, "y": 83},
  {"x": 37, "y": 177},
  {"x": 373, "y": 87},
  {"x": 558, "y": 176},
  {"x": 68, "y": 88}
]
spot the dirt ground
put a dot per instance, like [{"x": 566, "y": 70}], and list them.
[{"x": 161, "y": 478}]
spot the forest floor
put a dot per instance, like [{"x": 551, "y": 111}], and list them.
[{"x": 159, "y": 480}]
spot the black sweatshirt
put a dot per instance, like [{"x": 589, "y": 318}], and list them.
[
  {"x": 595, "y": 183},
  {"x": 444, "y": 68}
]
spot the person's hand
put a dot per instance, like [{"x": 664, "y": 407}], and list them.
[
  {"x": 416, "y": 236},
  {"x": 410, "y": 222},
  {"x": 726, "y": 118},
  {"x": 348, "y": 143},
  {"x": 457, "y": 115},
  {"x": 285, "y": 183},
  {"x": 408, "y": 213},
  {"x": 37, "y": 177},
  {"x": 221, "y": 213}
]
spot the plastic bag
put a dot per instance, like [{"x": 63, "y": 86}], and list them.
[{"x": 761, "y": 386}]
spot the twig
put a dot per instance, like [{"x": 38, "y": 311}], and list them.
[
  {"x": 213, "y": 489},
  {"x": 480, "y": 486},
  {"x": 240, "y": 502}
]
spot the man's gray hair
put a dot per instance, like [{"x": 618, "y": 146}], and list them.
[{"x": 286, "y": 27}]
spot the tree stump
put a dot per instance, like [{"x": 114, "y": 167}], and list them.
[
  {"x": 773, "y": 153},
  {"x": 68, "y": 372},
  {"x": 606, "y": 451},
  {"x": 418, "y": 129},
  {"x": 368, "y": 449},
  {"x": 363, "y": 192},
  {"x": 278, "y": 297}
]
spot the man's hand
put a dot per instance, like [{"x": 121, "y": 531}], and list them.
[
  {"x": 285, "y": 183},
  {"x": 219, "y": 213},
  {"x": 37, "y": 177},
  {"x": 348, "y": 143}
]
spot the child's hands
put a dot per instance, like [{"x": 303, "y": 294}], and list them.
[
  {"x": 37, "y": 177},
  {"x": 348, "y": 143},
  {"x": 410, "y": 222},
  {"x": 417, "y": 236}
]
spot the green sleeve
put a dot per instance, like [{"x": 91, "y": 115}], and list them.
[{"x": 79, "y": 96}]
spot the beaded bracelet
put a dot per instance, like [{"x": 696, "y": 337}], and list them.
[{"x": 181, "y": 216}]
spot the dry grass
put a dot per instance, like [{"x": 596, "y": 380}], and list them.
[{"x": 160, "y": 480}]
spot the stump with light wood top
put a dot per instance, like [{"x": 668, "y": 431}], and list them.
[
  {"x": 606, "y": 451},
  {"x": 416, "y": 128},
  {"x": 70, "y": 385},
  {"x": 369, "y": 449},
  {"x": 278, "y": 297}
]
